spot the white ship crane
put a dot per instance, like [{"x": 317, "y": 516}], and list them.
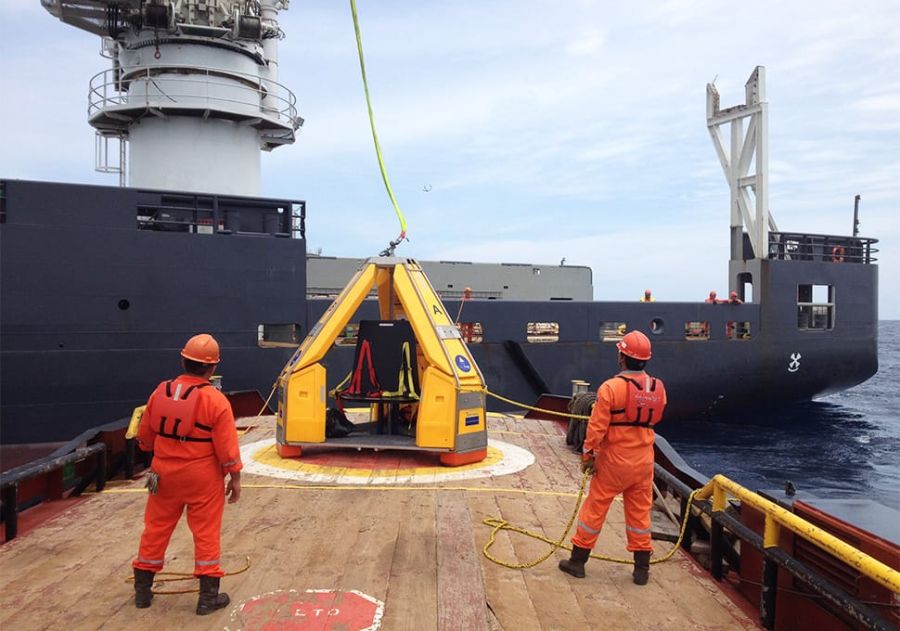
[{"x": 192, "y": 94}]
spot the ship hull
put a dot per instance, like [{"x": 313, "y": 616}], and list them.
[{"x": 101, "y": 286}]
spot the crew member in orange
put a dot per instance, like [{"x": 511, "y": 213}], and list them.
[
  {"x": 733, "y": 299},
  {"x": 712, "y": 298},
  {"x": 648, "y": 297},
  {"x": 189, "y": 426},
  {"x": 618, "y": 450}
]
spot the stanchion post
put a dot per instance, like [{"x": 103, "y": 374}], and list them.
[
  {"x": 768, "y": 593},
  {"x": 11, "y": 510}
]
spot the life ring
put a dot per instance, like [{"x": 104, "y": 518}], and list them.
[{"x": 837, "y": 254}]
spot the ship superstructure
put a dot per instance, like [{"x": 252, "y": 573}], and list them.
[{"x": 192, "y": 94}]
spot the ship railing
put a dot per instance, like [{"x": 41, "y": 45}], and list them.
[
  {"x": 712, "y": 500},
  {"x": 198, "y": 88},
  {"x": 211, "y": 214},
  {"x": 796, "y": 246},
  {"x": 10, "y": 480}
]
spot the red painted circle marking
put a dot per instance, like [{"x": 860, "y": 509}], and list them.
[{"x": 319, "y": 610}]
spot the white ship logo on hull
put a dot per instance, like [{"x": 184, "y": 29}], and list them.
[{"x": 794, "y": 365}]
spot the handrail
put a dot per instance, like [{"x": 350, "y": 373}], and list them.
[
  {"x": 9, "y": 480},
  {"x": 845, "y": 605},
  {"x": 109, "y": 89},
  {"x": 777, "y": 517},
  {"x": 821, "y": 247}
]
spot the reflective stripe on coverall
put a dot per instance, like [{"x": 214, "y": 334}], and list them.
[
  {"x": 624, "y": 464},
  {"x": 191, "y": 474}
]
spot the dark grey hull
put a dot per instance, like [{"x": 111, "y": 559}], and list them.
[{"x": 93, "y": 311}]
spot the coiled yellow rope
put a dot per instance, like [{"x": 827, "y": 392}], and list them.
[
  {"x": 183, "y": 576},
  {"x": 498, "y": 524}
]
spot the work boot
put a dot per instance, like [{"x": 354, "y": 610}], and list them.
[
  {"x": 210, "y": 598},
  {"x": 641, "y": 572},
  {"x": 143, "y": 582},
  {"x": 575, "y": 564}
]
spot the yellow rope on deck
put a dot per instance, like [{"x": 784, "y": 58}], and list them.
[
  {"x": 531, "y": 407},
  {"x": 497, "y": 524},
  {"x": 183, "y": 576}
]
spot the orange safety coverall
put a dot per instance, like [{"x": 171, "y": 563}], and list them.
[
  {"x": 191, "y": 474},
  {"x": 623, "y": 455}
]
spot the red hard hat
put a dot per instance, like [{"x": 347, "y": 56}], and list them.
[
  {"x": 635, "y": 345},
  {"x": 202, "y": 348}
]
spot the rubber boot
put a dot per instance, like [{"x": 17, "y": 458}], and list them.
[
  {"x": 210, "y": 599},
  {"x": 641, "y": 572},
  {"x": 575, "y": 564},
  {"x": 143, "y": 582}
]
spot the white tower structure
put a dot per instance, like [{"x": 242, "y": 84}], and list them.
[
  {"x": 745, "y": 163},
  {"x": 192, "y": 95}
]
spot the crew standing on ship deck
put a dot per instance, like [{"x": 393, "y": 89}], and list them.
[
  {"x": 189, "y": 426},
  {"x": 618, "y": 450},
  {"x": 648, "y": 296}
]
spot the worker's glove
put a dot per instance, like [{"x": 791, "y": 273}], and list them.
[{"x": 587, "y": 463}]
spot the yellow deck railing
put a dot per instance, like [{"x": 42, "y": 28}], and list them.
[{"x": 777, "y": 517}]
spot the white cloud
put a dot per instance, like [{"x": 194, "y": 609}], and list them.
[
  {"x": 588, "y": 44},
  {"x": 544, "y": 129}
]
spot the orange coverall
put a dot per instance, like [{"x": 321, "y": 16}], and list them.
[
  {"x": 624, "y": 464},
  {"x": 192, "y": 474}
]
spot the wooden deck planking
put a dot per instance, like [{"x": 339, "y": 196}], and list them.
[
  {"x": 400, "y": 546},
  {"x": 505, "y": 590},
  {"x": 411, "y": 599},
  {"x": 554, "y": 603},
  {"x": 461, "y": 599},
  {"x": 36, "y": 594},
  {"x": 376, "y": 541}
]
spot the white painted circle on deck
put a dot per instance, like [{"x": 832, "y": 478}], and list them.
[{"x": 258, "y": 459}]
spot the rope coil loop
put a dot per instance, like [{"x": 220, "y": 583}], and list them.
[{"x": 183, "y": 576}]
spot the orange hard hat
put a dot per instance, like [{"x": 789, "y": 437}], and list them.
[
  {"x": 202, "y": 348},
  {"x": 635, "y": 345}
]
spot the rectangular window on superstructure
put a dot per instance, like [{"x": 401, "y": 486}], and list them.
[
  {"x": 737, "y": 330},
  {"x": 612, "y": 331},
  {"x": 278, "y": 335},
  {"x": 696, "y": 330},
  {"x": 471, "y": 332},
  {"x": 538, "y": 332},
  {"x": 348, "y": 336},
  {"x": 815, "y": 307}
]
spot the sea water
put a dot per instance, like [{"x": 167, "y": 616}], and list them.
[{"x": 843, "y": 445}]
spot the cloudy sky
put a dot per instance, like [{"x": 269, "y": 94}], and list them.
[{"x": 542, "y": 129}]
